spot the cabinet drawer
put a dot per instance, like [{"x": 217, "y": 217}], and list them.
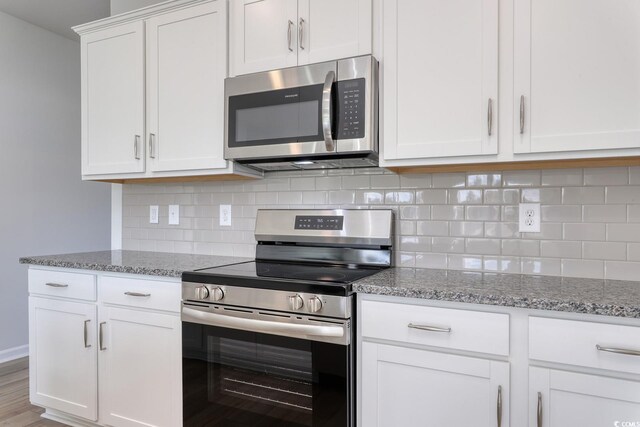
[
  {"x": 151, "y": 294},
  {"x": 574, "y": 343},
  {"x": 62, "y": 284},
  {"x": 469, "y": 330}
]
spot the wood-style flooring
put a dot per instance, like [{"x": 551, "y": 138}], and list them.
[{"x": 15, "y": 409}]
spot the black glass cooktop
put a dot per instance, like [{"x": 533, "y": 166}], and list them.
[{"x": 328, "y": 279}]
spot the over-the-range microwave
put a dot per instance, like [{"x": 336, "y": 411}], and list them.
[{"x": 308, "y": 117}]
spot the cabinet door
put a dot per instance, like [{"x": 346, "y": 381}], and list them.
[
  {"x": 577, "y": 75},
  {"x": 140, "y": 368},
  {"x": 62, "y": 356},
  {"x": 333, "y": 29},
  {"x": 113, "y": 100},
  {"x": 408, "y": 387},
  {"x": 263, "y": 35},
  {"x": 560, "y": 399},
  {"x": 440, "y": 78},
  {"x": 187, "y": 53}
]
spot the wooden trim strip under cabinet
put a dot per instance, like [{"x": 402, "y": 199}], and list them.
[
  {"x": 523, "y": 165},
  {"x": 196, "y": 178}
]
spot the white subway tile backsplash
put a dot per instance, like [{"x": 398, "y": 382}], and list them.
[
  {"x": 469, "y": 221},
  {"x": 606, "y": 176},
  {"x": 562, "y": 177},
  {"x": 618, "y": 270},
  {"x": 604, "y": 213}
]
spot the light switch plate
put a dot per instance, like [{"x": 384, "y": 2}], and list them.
[
  {"x": 154, "y": 214},
  {"x": 225, "y": 215},
  {"x": 529, "y": 217},
  {"x": 174, "y": 214}
]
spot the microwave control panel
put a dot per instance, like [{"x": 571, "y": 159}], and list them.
[{"x": 351, "y": 104}]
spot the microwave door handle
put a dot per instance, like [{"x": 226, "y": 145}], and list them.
[{"x": 326, "y": 111}]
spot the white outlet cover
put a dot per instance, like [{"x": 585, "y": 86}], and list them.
[
  {"x": 225, "y": 215},
  {"x": 174, "y": 214},
  {"x": 529, "y": 214},
  {"x": 154, "y": 214}
]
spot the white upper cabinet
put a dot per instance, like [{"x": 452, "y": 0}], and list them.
[
  {"x": 440, "y": 73},
  {"x": 263, "y": 35},
  {"x": 332, "y": 29},
  {"x": 113, "y": 100},
  {"x": 186, "y": 69},
  {"x": 577, "y": 75},
  {"x": 271, "y": 34}
]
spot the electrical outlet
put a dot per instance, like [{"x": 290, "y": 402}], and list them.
[
  {"x": 225, "y": 215},
  {"x": 529, "y": 217},
  {"x": 174, "y": 214},
  {"x": 154, "y": 213}
]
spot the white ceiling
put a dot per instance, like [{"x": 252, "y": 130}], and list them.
[{"x": 57, "y": 15}]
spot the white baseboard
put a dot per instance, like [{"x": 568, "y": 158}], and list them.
[{"x": 14, "y": 353}]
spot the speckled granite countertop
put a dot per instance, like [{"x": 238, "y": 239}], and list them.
[
  {"x": 134, "y": 262},
  {"x": 604, "y": 297}
]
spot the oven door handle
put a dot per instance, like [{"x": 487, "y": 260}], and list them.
[
  {"x": 326, "y": 111},
  {"x": 266, "y": 326}
]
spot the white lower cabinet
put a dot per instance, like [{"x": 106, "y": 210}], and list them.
[
  {"x": 63, "y": 371},
  {"x": 140, "y": 368},
  {"x": 559, "y": 398},
  {"x": 114, "y": 360},
  {"x": 410, "y": 387}
]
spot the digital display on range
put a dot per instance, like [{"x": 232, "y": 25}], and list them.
[{"x": 319, "y": 222}]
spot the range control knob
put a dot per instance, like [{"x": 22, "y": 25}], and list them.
[
  {"x": 202, "y": 292},
  {"x": 295, "y": 302},
  {"x": 315, "y": 304},
  {"x": 217, "y": 294}
]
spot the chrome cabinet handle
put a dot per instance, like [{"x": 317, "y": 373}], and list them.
[
  {"x": 499, "y": 405},
  {"x": 289, "y": 30},
  {"x": 136, "y": 143},
  {"x": 539, "y": 416},
  {"x": 428, "y": 328},
  {"x": 137, "y": 294},
  {"x": 101, "y": 336},
  {"x": 326, "y": 111},
  {"x": 521, "y": 114},
  {"x": 301, "y": 33},
  {"x": 56, "y": 285},
  {"x": 152, "y": 151},
  {"x": 86, "y": 334},
  {"x": 626, "y": 351},
  {"x": 490, "y": 116}
]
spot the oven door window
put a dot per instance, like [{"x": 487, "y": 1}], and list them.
[
  {"x": 234, "y": 378},
  {"x": 276, "y": 117}
]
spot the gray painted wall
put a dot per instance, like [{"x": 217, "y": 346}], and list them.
[
  {"x": 45, "y": 208},
  {"x": 121, "y": 6}
]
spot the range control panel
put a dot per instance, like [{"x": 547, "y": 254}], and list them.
[
  {"x": 319, "y": 222},
  {"x": 351, "y": 104}
]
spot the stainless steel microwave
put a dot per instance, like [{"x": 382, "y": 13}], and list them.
[{"x": 308, "y": 117}]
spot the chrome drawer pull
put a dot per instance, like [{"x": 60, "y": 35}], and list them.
[
  {"x": 539, "y": 414},
  {"x": 101, "y": 336},
  {"x": 289, "y": 29},
  {"x": 137, "y": 294},
  {"x": 428, "y": 328},
  {"x": 86, "y": 334},
  {"x": 57, "y": 285},
  {"x": 490, "y": 116},
  {"x": 521, "y": 114},
  {"x": 626, "y": 351},
  {"x": 499, "y": 404}
]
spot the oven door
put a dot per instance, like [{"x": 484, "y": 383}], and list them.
[
  {"x": 280, "y": 113},
  {"x": 268, "y": 376}
]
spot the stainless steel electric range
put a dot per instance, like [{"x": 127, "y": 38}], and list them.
[{"x": 271, "y": 342}]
